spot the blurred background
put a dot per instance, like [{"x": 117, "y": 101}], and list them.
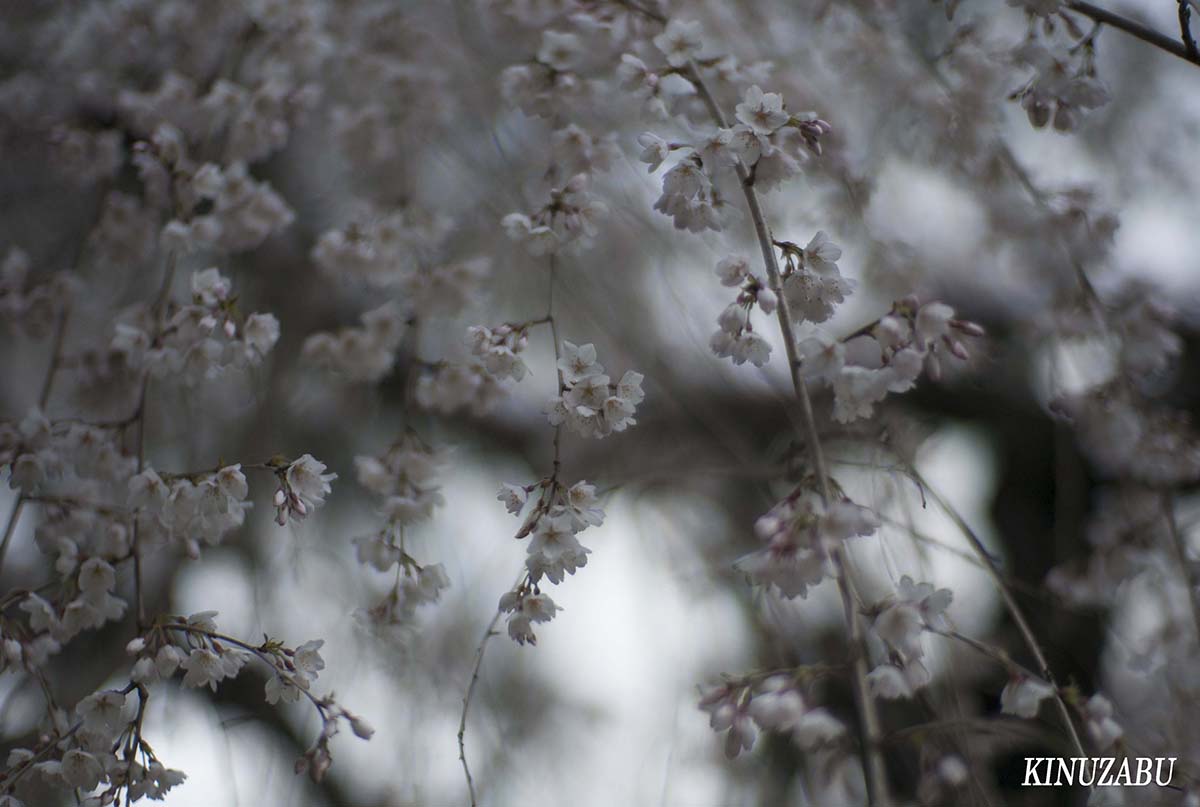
[{"x": 917, "y": 185}]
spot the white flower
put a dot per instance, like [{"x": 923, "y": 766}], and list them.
[
  {"x": 931, "y": 601},
  {"x": 900, "y": 627},
  {"x": 307, "y": 479},
  {"x": 777, "y": 709},
  {"x": 96, "y": 576},
  {"x": 933, "y": 322},
  {"x": 232, "y": 482},
  {"x": 629, "y": 388},
  {"x": 260, "y": 333},
  {"x": 524, "y": 610},
  {"x": 168, "y": 659},
  {"x": 210, "y": 287},
  {"x": 1100, "y": 723},
  {"x": 821, "y": 250},
  {"x": 817, "y": 727},
  {"x": 308, "y": 659},
  {"x": 514, "y": 497},
  {"x": 766, "y": 299},
  {"x": 762, "y": 112},
  {"x": 81, "y": 770},
  {"x": 856, "y": 390},
  {"x": 561, "y": 51},
  {"x": 750, "y": 347},
  {"x": 279, "y": 688},
  {"x": 728, "y": 713},
  {"x": 554, "y": 550},
  {"x": 1023, "y": 695},
  {"x": 147, "y": 489},
  {"x": 581, "y": 503},
  {"x": 888, "y": 681},
  {"x": 203, "y": 667},
  {"x": 654, "y": 150},
  {"x": 578, "y": 362},
  {"x": 732, "y": 270},
  {"x": 821, "y": 358},
  {"x": 103, "y": 713},
  {"x": 680, "y": 42}
]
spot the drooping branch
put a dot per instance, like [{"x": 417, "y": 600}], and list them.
[{"x": 873, "y": 766}]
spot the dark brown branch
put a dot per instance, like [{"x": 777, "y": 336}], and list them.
[
  {"x": 1185, "y": 27},
  {"x": 1139, "y": 31}
]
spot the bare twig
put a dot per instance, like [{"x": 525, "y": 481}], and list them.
[
  {"x": 488, "y": 633},
  {"x": 1139, "y": 31},
  {"x": 1186, "y": 567},
  {"x": 10, "y": 527},
  {"x": 160, "y": 301},
  {"x": 1010, "y": 603},
  {"x": 1185, "y": 27}
]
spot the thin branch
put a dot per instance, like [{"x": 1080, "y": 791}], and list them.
[
  {"x": 488, "y": 633},
  {"x": 1139, "y": 31},
  {"x": 1010, "y": 603},
  {"x": 1186, "y": 567},
  {"x": 1185, "y": 27},
  {"x": 160, "y": 301},
  {"x": 56, "y": 356},
  {"x": 557, "y": 464},
  {"x": 10, "y": 527},
  {"x": 873, "y": 767}
]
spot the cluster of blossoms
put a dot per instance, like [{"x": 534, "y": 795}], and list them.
[
  {"x": 303, "y": 486},
  {"x": 197, "y": 341},
  {"x": 447, "y": 387},
  {"x": 888, "y": 355},
  {"x": 242, "y": 212},
  {"x": 498, "y": 349},
  {"x": 897, "y": 626},
  {"x": 588, "y": 403},
  {"x": 567, "y": 222},
  {"x": 768, "y": 142},
  {"x": 43, "y": 456},
  {"x": 802, "y": 533},
  {"x": 209, "y": 206},
  {"x": 1118, "y": 423},
  {"x": 405, "y": 479},
  {"x": 251, "y": 123},
  {"x": 84, "y": 757},
  {"x": 484, "y": 378},
  {"x": 25, "y": 306},
  {"x": 540, "y": 86},
  {"x": 736, "y": 338},
  {"x": 218, "y": 91},
  {"x": 365, "y": 353},
  {"x": 558, "y": 514},
  {"x": 812, "y": 282},
  {"x": 190, "y": 509},
  {"x": 378, "y": 249},
  {"x": 1063, "y": 87},
  {"x": 770, "y": 702},
  {"x": 402, "y": 251},
  {"x": 94, "y": 605},
  {"x": 105, "y": 751},
  {"x": 1024, "y": 693}
]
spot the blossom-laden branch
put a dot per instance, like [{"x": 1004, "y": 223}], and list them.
[
  {"x": 105, "y": 753},
  {"x": 588, "y": 403}
]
